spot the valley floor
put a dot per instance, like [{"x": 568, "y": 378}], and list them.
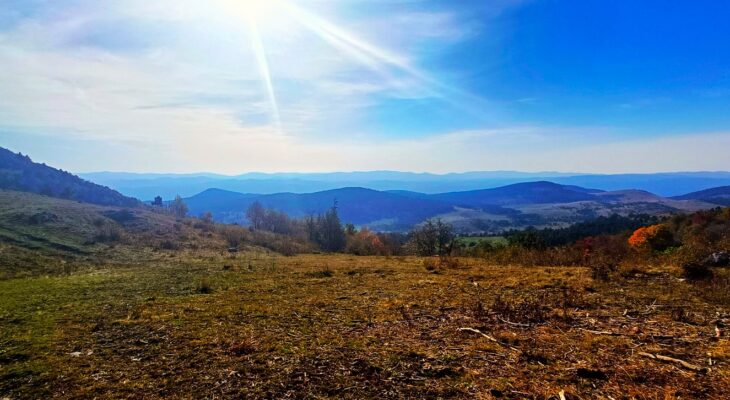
[{"x": 258, "y": 325}]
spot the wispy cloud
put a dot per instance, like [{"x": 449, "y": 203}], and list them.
[
  {"x": 176, "y": 85},
  {"x": 164, "y": 65}
]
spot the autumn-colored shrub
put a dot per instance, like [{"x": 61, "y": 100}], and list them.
[
  {"x": 430, "y": 264},
  {"x": 449, "y": 262},
  {"x": 365, "y": 243},
  {"x": 654, "y": 237}
]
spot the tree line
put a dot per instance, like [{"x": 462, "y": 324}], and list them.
[{"x": 328, "y": 233}]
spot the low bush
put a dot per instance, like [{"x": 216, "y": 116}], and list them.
[
  {"x": 108, "y": 232},
  {"x": 168, "y": 244},
  {"x": 449, "y": 262},
  {"x": 530, "y": 310},
  {"x": 204, "y": 286},
  {"x": 325, "y": 272},
  {"x": 430, "y": 264},
  {"x": 696, "y": 271}
]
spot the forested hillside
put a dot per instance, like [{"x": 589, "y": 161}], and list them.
[{"x": 19, "y": 172}]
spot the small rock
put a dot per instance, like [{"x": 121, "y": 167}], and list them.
[{"x": 717, "y": 259}]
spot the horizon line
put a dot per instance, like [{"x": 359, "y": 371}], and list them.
[{"x": 438, "y": 174}]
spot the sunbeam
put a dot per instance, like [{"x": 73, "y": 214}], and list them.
[
  {"x": 263, "y": 65},
  {"x": 396, "y": 71},
  {"x": 372, "y": 56},
  {"x": 252, "y": 12},
  {"x": 378, "y": 59}
]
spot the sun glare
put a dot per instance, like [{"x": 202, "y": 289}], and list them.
[
  {"x": 259, "y": 15},
  {"x": 255, "y": 9}
]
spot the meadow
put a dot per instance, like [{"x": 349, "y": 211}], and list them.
[
  {"x": 471, "y": 241},
  {"x": 254, "y": 324}
]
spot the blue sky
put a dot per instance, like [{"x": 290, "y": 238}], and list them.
[{"x": 232, "y": 86}]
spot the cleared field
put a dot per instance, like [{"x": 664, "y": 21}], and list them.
[{"x": 257, "y": 325}]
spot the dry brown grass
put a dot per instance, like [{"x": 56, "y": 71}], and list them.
[{"x": 336, "y": 326}]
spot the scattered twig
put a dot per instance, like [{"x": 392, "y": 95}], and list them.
[
  {"x": 683, "y": 363},
  {"x": 514, "y": 323},
  {"x": 661, "y": 337},
  {"x": 488, "y": 337},
  {"x": 607, "y": 333}
]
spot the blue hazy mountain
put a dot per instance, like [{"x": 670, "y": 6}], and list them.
[
  {"x": 356, "y": 205},
  {"x": 561, "y": 200},
  {"x": 718, "y": 195},
  {"x": 147, "y": 186},
  {"x": 541, "y": 192},
  {"x": 539, "y": 203}
]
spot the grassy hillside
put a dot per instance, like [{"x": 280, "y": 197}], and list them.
[
  {"x": 40, "y": 234},
  {"x": 19, "y": 172}
]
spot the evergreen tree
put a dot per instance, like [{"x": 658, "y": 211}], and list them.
[{"x": 332, "y": 236}]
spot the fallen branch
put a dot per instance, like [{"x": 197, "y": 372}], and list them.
[
  {"x": 488, "y": 337},
  {"x": 514, "y": 323},
  {"x": 477, "y": 331},
  {"x": 683, "y": 363},
  {"x": 660, "y": 337},
  {"x": 607, "y": 333}
]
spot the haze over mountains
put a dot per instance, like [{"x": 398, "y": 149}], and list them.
[
  {"x": 147, "y": 186},
  {"x": 537, "y": 202},
  {"x": 541, "y": 203}
]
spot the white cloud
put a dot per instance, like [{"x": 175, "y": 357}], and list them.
[
  {"x": 188, "y": 97},
  {"x": 60, "y": 74}
]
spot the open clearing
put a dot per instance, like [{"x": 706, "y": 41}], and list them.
[{"x": 258, "y": 325}]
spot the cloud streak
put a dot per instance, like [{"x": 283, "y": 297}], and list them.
[{"x": 177, "y": 86}]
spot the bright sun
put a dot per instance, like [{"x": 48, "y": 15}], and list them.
[
  {"x": 260, "y": 15},
  {"x": 254, "y": 9}
]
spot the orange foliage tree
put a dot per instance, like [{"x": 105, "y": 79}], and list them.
[
  {"x": 654, "y": 237},
  {"x": 365, "y": 243}
]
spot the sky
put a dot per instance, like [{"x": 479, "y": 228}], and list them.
[{"x": 234, "y": 86}]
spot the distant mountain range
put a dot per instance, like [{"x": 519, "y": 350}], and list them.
[
  {"x": 559, "y": 201},
  {"x": 542, "y": 204},
  {"x": 147, "y": 186},
  {"x": 18, "y": 172},
  {"x": 718, "y": 195}
]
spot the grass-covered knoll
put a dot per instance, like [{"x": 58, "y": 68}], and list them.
[
  {"x": 46, "y": 235},
  {"x": 258, "y": 325}
]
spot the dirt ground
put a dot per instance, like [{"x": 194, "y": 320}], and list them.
[{"x": 258, "y": 325}]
